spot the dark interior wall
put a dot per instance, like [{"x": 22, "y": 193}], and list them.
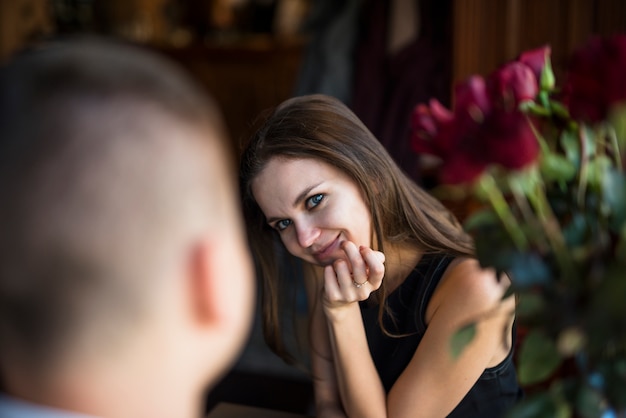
[{"x": 489, "y": 32}]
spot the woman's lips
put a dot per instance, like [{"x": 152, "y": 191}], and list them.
[{"x": 328, "y": 254}]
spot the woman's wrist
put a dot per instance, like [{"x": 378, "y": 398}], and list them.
[
  {"x": 329, "y": 410},
  {"x": 340, "y": 313}
]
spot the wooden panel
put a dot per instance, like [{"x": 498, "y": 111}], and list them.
[
  {"x": 22, "y": 21},
  {"x": 549, "y": 22},
  {"x": 477, "y": 41},
  {"x": 488, "y": 33},
  {"x": 580, "y": 23},
  {"x": 610, "y": 16}
]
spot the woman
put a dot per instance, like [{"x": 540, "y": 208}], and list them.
[{"x": 390, "y": 274}]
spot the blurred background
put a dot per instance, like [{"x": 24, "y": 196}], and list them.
[{"x": 381, "y": 57}]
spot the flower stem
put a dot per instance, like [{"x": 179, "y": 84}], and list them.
[
  {"x": 540, "y": 139},
  {"x": 528, "y": 215},
  {"x": 553, "y": 233},
  {"x": 584, "y": 168},
  {"x": 490, "y": 190},
  {"x": 615, "y": 144}
]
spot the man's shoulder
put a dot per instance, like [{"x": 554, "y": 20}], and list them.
[{"x": 11, "y": 407}]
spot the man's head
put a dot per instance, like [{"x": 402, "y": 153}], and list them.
[{"x": 120, "y": 228}]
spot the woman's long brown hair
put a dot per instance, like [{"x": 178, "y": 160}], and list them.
[{"x": 322, "y": 128}]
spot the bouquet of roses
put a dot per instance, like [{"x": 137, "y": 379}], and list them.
[{"x": 547, "y": 165}]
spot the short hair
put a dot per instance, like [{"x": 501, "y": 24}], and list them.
[
  {"x": 107, "y": 156},
  {"x": 323, "y": 128}
]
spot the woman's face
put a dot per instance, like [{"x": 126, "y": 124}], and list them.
[{"x": 314, "y": 207}]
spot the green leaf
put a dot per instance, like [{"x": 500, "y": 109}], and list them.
[
  {"x": 589, "y": 137},
  {"x": 544, "y": 99},
  {"x": 494, "y": 247},
  {"x": 617, "y": 118},
  {"x": 529, "y": 304},
  {"x": 461, "y": 339},
  {"x": 576, "y": 231},
  {"x": 615, "y": 372},
  {"x": 589, "y": 403},
  {"x": 540, "y": 405},
  {"x": 571, "y": 146},
  {"x": 608, "y": 298},
  {"x": 480, "y": 219},
  {"x": 614, "y": 194},
  {"x": 534, "y": 108},
  {"x": 557, "y": 167},
  {"x": 538, "y": 358},
  {"x": 525, "y": 181},
  {"x": 559, "y": 109},
  {"x": 598, "y": 169},
  {"x": 563, "y": 409}
]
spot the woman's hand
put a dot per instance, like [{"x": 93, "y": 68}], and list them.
[
  {"x": 354, "y": 377},
  {"x": 353, "y": 279}
]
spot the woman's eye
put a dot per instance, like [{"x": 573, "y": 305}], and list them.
[
  {"x": 281, "y": 225},
  {"x": 314, "y": 201}
]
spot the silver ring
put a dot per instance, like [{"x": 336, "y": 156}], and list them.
[{"x": 359, "y": 285}]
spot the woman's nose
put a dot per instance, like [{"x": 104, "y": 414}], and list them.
[{"x": 307, "y": 234}]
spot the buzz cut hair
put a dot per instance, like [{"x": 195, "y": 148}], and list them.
[{"x": 107, "y": 155}]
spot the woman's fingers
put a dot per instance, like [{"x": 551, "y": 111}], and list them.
[
  {"x": 343, "y": 274},
  {"x": 359, "y": 267},
  {"x": 368, "y": 266},
  {"x": 356, "y": 277},
  {"x": 375, "y": 261}
]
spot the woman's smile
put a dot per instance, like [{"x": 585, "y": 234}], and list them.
[{"x": 330, "y": 252}]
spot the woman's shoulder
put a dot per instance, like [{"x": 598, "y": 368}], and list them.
[{"x": 467, "y": 283}]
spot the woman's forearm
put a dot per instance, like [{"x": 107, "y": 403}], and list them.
[
  {"x": 329, "y": 410},
  {"x": 361, "y": 390}
]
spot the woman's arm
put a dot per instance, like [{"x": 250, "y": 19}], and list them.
[
  {"x": 434, "y": 382},
  {"x": 345, "y": 378},
  {"x": 360, "y": 388},
  {"x": 327, "y": 401}
]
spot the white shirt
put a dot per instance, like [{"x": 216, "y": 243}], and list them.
[{"x": 16, "y": 408}]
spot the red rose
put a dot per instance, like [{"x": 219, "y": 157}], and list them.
[
  {"x": 461, "y": 168},
  {"x": 437, "y": 131},
  {"x": 513, "y": 84},
  {"x": 428, "y": 124},
  {"x": 509, "y": 140},
  {"x": 488, "y": 127},
  {"x": 472, "y": 101},
  {"x": 535, "y": 59},
  {"x": 596, "y": 78},
  {"x": 485, "y": 128},
  {"x": 505, "y": 139}
]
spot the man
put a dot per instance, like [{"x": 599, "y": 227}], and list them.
[{"x": 125, "y": 280}]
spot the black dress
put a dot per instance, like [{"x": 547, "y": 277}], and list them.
[{"x": 497, "y": 388}]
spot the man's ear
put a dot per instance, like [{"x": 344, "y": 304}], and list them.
[
  {"x": 208, "y": 287},
  {"x": 221, "y": 289}
]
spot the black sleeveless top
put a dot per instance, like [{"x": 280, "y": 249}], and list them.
[{"x": 497, "y": 388}]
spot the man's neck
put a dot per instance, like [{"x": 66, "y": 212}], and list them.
[{"x": 112, "y": 395}]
